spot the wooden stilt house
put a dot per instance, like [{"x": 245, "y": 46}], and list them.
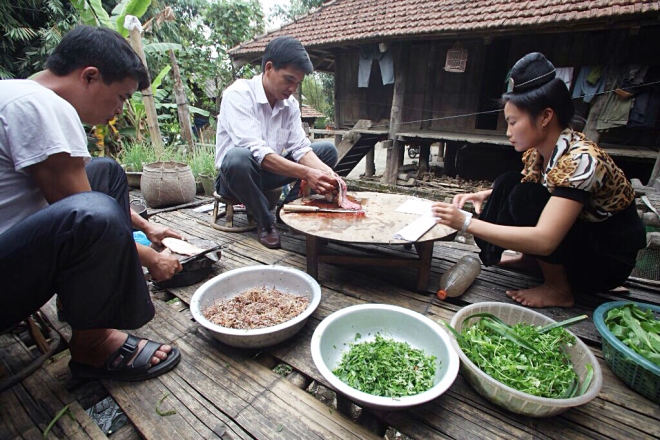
[{"x": 431, "y": 72}]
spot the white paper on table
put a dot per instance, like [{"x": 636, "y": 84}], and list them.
[
  {"x": 416, "y": 229},
  {"x": 415, "y": 206}
]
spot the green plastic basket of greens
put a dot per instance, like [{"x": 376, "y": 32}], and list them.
[{"x": 631, "y": 344}]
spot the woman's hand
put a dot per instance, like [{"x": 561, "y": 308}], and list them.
[
  {"x": 448, "y": 214},
  {"x": 477, "y": 199}
]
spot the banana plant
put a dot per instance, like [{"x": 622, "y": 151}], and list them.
[{"x": 93, "y": 14}]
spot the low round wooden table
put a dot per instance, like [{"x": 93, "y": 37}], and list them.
[{"x": 376, "y": 225}]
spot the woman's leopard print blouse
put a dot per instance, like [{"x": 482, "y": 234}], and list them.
[{"x": 577, "y": 162}]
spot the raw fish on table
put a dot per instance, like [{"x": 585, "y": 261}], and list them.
[{"x": 341, "y": 198}]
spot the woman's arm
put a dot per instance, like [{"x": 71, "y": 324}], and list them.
[{"x": 556, "y": 220}]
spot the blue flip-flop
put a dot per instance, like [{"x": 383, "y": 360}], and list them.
[{"x": 117, "y": 367}]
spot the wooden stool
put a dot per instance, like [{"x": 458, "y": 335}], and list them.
[
  {"x": 272, "y": 195},
  {"x": 228, "y": 214}
]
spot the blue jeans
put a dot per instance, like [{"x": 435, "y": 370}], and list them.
[
  {"x": 81, "y": 248},
  {"x": 242, "y": 178}
]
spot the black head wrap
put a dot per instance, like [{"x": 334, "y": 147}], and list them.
[{"x": 530, "y": 72}]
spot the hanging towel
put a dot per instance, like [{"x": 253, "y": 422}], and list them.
[
  {"x": 369, "y": 53},
  {"x": 584, "y": 87},
  {"x": 565, "y": 74}
]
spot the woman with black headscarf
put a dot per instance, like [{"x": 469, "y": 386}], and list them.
[{"x": 571, "y": 210}]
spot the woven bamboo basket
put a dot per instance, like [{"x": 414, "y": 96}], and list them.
[{"x": 167, "y": 184}]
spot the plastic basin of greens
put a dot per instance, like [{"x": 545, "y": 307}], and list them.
[
  {"x": 639, "y": 373},
  {"x": 234, "y": 282},
  {"x": 334, "y": 334},
  {"x": 509, "y": 398}
]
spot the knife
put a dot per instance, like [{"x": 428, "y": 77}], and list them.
[
  {"x": 306, "y": 208},
  {"x": 200, "y": 255}
]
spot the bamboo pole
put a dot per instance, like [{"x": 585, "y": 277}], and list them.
[
  {"x": 147, "y": 96},
  {"x": 181, "y": 104}
]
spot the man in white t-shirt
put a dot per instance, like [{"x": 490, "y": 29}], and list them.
[
  {"x": 61, "y": 234},
  {"x": 260, "y": 141}
]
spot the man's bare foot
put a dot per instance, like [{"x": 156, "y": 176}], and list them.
[
  {"x": 94, "y": 347},
  {"x": 542, "y": 296},
  {"x": 520, "y": 262}
]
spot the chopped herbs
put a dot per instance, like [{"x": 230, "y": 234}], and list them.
[
  {"x": 525, "y": 357},
  {"x": 387, "y": 368},
  {"x": 638, "y": 328}
]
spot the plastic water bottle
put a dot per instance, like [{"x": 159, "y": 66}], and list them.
[{"x": 459, "y": 277}]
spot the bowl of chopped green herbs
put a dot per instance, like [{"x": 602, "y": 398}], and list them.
[
  {"x": 384, "y": 357},
  {"x": 524, "y": 361},
  {"x": 631, "y": 344}
]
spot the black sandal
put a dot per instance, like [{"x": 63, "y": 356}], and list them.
[{"x": 118, "y": 368}]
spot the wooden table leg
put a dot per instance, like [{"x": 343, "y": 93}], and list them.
[
  {"x": 312, "y": 255},
  {"x": 425, "y": 253}
]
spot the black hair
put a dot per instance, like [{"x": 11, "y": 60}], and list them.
[
  {"x": 533, "y": 87},
  {"x": 287, "y": 51},
  {"x": 103, "y": 48}
]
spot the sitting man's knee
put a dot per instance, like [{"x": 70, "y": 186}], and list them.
[
  {"x": 237, "y": 160},
  {"x": 327, "y": 152},
  {"x": 97, "y": 208}
]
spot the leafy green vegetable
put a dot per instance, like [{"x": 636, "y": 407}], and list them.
[
  {"x": 638, "y": 328},
  {"x": 385, "y": 367},
  {"x": 542, "y": 369}
]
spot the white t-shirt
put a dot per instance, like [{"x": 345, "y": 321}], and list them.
[
  {"x": 34, "y": 123},
  {"x": 246, "y": 120}
]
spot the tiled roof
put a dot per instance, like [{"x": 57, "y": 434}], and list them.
[
  {"x": 345, "y": 21},
  {"x": 307, "y": 111}
]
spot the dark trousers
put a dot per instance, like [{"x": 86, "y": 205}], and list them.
[
  {"x": 597, "y": 256},
  {"x": 242, "y": 178},
  {"x": 81, "y": 248}
]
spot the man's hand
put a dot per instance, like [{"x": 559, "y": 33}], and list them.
[
  {"x": 321, "y": 182},
  {"x": 155, "y": 232},
  {"x": 162, "y": 266}
]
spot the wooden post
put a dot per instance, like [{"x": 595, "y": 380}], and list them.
[
  {"x": 147, "y": 96},
  {"x": 427, "y": 112},
  {"x": 395, "y": 154},
  {"x": 431, "y": 69},
  {"x": 181, "y": 104},
  {"x": 336, "y": 100},
  {"x": 370, "y": 165},
  {"x": 424, "y": 154}
]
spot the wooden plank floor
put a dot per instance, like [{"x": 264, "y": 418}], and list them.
[{"x": 218, "y": 391}]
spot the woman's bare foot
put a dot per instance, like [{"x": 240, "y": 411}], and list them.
[
  {"x": 542, "y": 296},
  {"x": 520, "y": 262},
  {"x": 555, "y": 292},
  {"x": 94, "y": 347}
]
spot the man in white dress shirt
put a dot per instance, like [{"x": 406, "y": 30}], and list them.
[{"x": 260, "y": 142}]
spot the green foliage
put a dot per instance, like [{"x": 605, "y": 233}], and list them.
[
  {"x": 135, "y": 154},
  {"x": 202, "y": 160},
  {"x": 638, "y": 328},
  {"x": 92, "y": 13},
  {"x": 136, "y": 8},
  {"x": 318, "y": 91},
  {"x": 221, "y": 25},
  {"x": 29, "y": 30},
  {"x": 295, "y": 9},
  {"x": 525, "y": 357},
  {"x": 385, "y": 367}
]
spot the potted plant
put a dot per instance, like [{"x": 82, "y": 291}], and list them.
[
  {"x": 202, "y": 162},
  {"x": 132, "y": 157}
]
